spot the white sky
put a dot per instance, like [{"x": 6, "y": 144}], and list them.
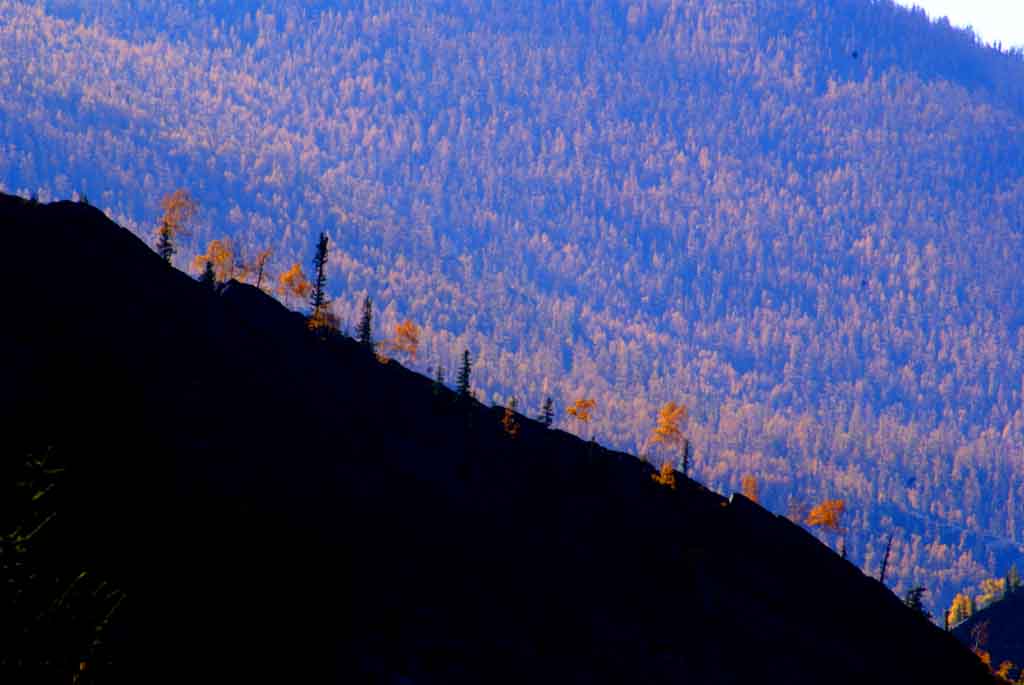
[{"x": 992, "y": 20}]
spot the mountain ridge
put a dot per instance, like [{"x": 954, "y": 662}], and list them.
[{"x": 334, "y": 516}]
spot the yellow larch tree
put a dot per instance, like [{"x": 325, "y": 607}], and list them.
[
  {"x": 666, "y": 475},
  {"x": 221, "y": 254},
  {"x": 581, "y": 410},
  {"x": 750, "y": 487},
  {"x": 961, "y": 608},
  {"x": 406, "y": 339},
  {"x": 179, "y": 208},
  {"x": 827, "y": 515},
  {"x": 669, "y": 431},
  {"x": 293, "y": 284},
  {"x": 259, "y": 265}
]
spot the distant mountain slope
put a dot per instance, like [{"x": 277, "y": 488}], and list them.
[
  {"x": 801, "y": 217},
  {"x": 276, "y": 505}
]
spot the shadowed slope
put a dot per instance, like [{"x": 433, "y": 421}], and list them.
[{"x": 277, "y": 504}]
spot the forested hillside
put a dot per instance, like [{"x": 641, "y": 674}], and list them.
[{"x": 802, "y": 218}]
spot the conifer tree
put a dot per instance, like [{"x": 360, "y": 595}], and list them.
[
  {"x": 885, "y": 560},
  {"x": 364, "y": 334},
  {"x": 1013, "y": 581},
  {"x": 462, "y": 382},
  {"x": 438, "y": 380},
  {"x": 318, "y": 296},
  {"x": 547, "y": 413},
  {"x": 208, "y": 279},
  {"x": 914, "y": 600},
  {"x": 687, "y": 458}
]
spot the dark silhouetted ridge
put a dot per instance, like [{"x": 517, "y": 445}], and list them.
[{"x": 276, "y": 505}]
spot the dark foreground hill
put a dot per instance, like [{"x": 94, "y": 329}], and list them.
[
  {"x": 998, "y": 629},
  {"x": 275, "y": 505}
]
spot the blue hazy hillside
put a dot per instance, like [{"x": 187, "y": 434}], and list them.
[{"x": 802, "y": 219}]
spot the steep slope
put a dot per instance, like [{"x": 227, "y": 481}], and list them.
[
  {"x": 276, "y": 504},
  {"x": 999, "y": 630},
  {"x": 801, "y": 217}
]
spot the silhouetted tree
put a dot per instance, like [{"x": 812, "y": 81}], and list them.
[
  {"x": 318, "y": 296},
  {"x": 1013, "y": 581},
  {"x": 364, "y": 333},
  {"x": 260, "y": 266},
  {"x": 885, "y": 560},
  {"x": 208, "y": 278},
  {"x": 914, "y": 600},
  {"x": 438, "y": 380},
  {"x": 462, "y": 381},
  {"x": 547, "y": 413}
]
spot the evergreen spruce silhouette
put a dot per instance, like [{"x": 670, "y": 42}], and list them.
[
  {"x": 207, "y": 278},
  {"x": 364, "y": 334},
  {"x": 318, "y": 297},
  {"x": 165, "y": 243},
  {"x": 462, "y": 382},
  {"x": 547, "y": 413}
]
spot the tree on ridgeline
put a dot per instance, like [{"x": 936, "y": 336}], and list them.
[
  {"x": 914, "y": 599},
  {"x": 438, "y": 380},
  {"x": 828, "y": 515},
  {"x": 581, "y": 410},
  {"x": 406, "y": 339},
  {"x": 961, "y": 609},
  {"x": 666, "y": 475},
  {"x": 321, "y": 319},
  {"x": 179, "y": 209},
  {"x": 220, "y": 254},
  {"x": 364, "y": 332},
  {"x": 508, "y": 420},
  {"x": 208, "y": 279},
  {"x": 462, "y": 380},
  {"x": 259, "y": 266},
  {"x": 1013, "y": 581},
  {"x": 668, "y": 431},
  {"x": 318, "y": 295},
  {"x": 547, "y": 413},
  {"x": 885, "y": 560},
  {"x": 293, "y": 284},
  {"x": 750, "y": 487}
]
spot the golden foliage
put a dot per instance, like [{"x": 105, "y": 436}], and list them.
[
  {"x": 406, "y": 339},
  {"x": 992, "y": 589},
  {"x": 666, "y": 475},
  {"x": 179, "y": 209},
  {"x": 581, "y": 410},
  {"x": 323, "y": 321},
  {"x": 961, "y": 608},
  {"x": 509, "y": 423},
  {"x": 828, "y": 514},
  {"x": 221, "y": 254},
  {"x": 293, "y": 283},
  {"x": 1004, "y": 669},
  {"x": 259, "y": 265},
  {"x": 750, "y": 487},
  {"x": 669, "y": 427}
]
